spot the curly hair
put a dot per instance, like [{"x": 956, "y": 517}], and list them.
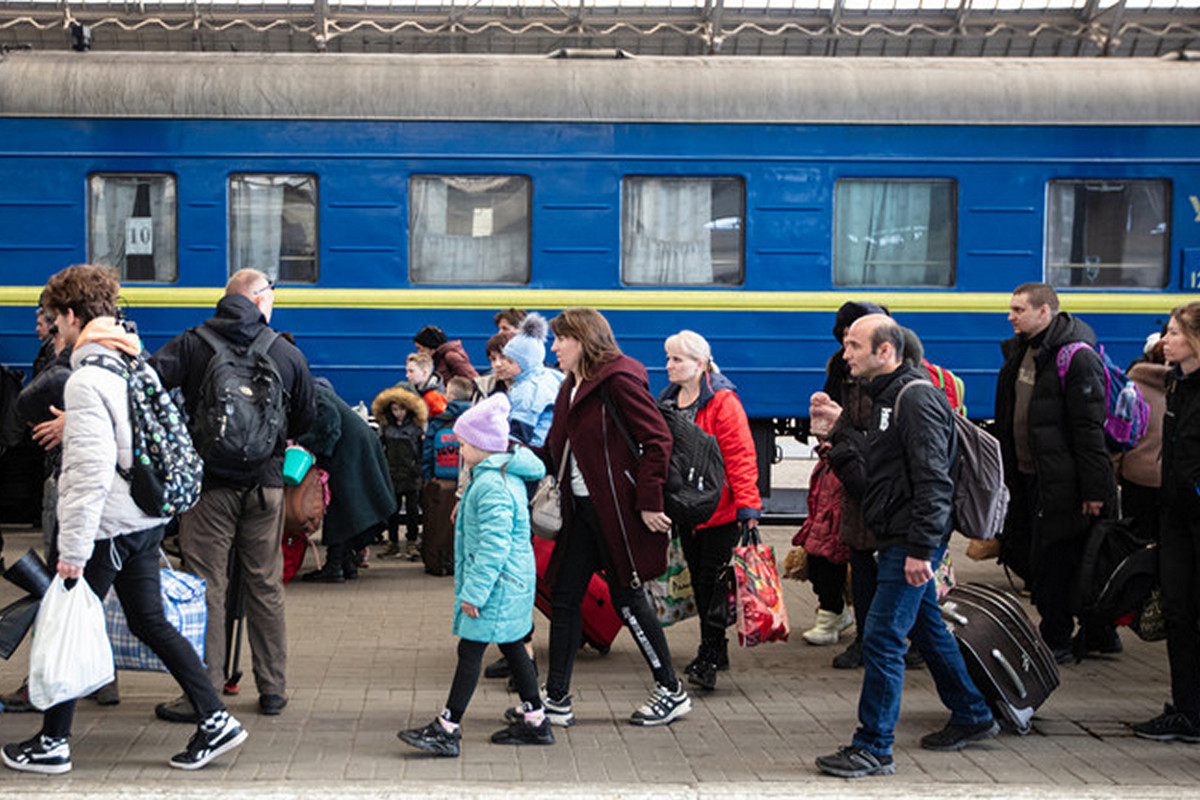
[{"x": 90, "y": 291}]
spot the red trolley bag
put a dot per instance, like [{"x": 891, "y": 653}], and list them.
[
  {"x": 600, "y": 621},
  {"x": 1005, "y": 654}
]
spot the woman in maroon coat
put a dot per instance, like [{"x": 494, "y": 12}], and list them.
[{"x": 613, "y": 517}]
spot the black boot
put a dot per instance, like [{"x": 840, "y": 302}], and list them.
[
  {"x": 330, "y": 573},
  {"x": 702, "y": 672}
]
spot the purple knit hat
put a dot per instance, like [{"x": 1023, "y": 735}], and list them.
[{"x": 486, "y": 425}]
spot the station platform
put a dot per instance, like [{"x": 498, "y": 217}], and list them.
[{"x": 375, "y": 655}]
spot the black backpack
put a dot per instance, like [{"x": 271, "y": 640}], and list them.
[
  {"x": 240, "y": 414},
  {"x": 696, "y": 474},
  {"x": 1116, "y": 574},
  {"x": 166, "y": 474}
]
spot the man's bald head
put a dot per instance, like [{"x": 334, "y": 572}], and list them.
[{"x": 874, "y": 345}]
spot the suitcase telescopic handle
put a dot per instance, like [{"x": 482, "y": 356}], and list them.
[{"x": 1011, "y": 672}]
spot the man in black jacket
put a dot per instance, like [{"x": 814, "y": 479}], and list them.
[
  {"x": 1060, "y": 475},
  {"x": 241, "y": 505},
  {"x": 901, "y": 470}
]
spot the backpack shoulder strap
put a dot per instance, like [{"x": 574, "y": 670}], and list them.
[
  {"x": 1063, "y": 359},
  {"x": 110, "y": 363},
  {"x": 213, "y": 339},
  {"x": 905, "y": 388},
  {"x": 263, "y": 341}
]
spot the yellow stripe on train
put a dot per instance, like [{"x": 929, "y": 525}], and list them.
[{"x": 629, "y": 299}]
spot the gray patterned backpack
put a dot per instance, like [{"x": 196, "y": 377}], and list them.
[{"x": 166, "y": 473}]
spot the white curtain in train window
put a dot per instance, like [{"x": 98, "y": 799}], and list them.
[
  {"x": 666, "y": 238},
  {"x": 889, "y": 234},
  {"x": 256, "y": 203},
  {"x": 469, "y": 229},
  {"x": 1107, "y": 233},
  {"x": 112, "y": 204}
]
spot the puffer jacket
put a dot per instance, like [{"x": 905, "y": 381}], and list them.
[
  {"x": 1066, "y": 429},
  {"x": 93, "y": 499},
  {"x": 720, "y": 413},
  {"x": 532, "y": 395},
  {"x": 907, "y": 492},
  {"x": 451, "y": 359},
  {"x": 402, "y": 442},
  {"x": 1142, "y": 464},
  {"x": 1181, "y": 444},
  {"x": 493, "y": 556}
]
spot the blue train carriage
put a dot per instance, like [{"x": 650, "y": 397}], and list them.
[{"x": 744, "y": 198}]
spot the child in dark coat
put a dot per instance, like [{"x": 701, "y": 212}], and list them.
[{"x": 402, "y": 415}]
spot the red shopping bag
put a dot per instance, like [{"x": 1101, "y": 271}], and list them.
[{"x": 761, "y": 616}]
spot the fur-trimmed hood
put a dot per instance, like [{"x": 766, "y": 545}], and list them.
[{"x": 406, "y": 399}]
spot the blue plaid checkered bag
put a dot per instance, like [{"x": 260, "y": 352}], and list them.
[{"x": 184, "y": 608}]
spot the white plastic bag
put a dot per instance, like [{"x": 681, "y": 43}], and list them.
[{"x": 71, "y": 656}]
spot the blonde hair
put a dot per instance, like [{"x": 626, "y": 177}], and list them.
[
  {"x": 692, "y": 345},
  {"x": 460, "y": 388},
  {"x": 1188, "y": 317},
  {"x": 420, "y": 359}
]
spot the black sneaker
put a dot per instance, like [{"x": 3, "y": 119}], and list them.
[
  {"x": 497, "y": 669},
  {"x": 558, "y": 712},
  {"x": 1169, "y": 726},
  {"x": 854, "y": 762},
  {"x": 433, "y": 738},
  {"x": 850, "y": 658},
  {"x": 956, "y": 737},
  {"x": 664, "y": 706},
  {"x": 271, "y": 705},
  {"x": 522, "y": 732},
  {"x": 206, "y": 745},
  {"x": 39, "y": 754},
  {"x": 178, "y": 710},
  {"x": 702, "y": 675}
]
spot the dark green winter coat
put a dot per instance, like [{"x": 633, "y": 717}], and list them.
[{"x": 361, "y": 494}]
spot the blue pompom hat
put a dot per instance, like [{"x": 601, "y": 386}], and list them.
[{"x": 528, "y": 347}]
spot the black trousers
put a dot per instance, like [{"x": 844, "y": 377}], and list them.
[
  {"x": 706, "y": 551},
  {"x": 466, "y": 675},
  {"x": 411, "y": 516},
  {"x": 1179, "y": 575},
  {"x": 829, "y": 582},
  {"x": 586, "y": 554},
  {"x": 864, "y": 572},
  {"x": 130, "y": 565},
  {"x": 1142, "y": 505}
]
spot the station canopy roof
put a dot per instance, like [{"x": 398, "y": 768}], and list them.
[{"x": 600, "y": 28}]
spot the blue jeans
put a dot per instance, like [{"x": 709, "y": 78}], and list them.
[{"x": 901, "y": 611}]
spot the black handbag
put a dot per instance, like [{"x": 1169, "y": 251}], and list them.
[{"x": 722, "y": 609}]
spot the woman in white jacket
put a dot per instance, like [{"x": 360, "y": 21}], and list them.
[{"x": 104, "y": 537}]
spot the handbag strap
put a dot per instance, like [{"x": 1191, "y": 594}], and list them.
[{"x": 562, "y": 465}]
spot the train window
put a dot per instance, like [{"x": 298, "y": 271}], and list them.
[
  {"x": 273, "y": 226},
  {"x": 131, "y": 225},
  {"x": 894, "y": 232},
  {"x": 682, "y": 231},
  {"x": 1108, "y": 233},
  {"x": 468, "y": 229}
]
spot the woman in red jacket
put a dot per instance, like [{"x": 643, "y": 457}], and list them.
[
  {"x": 613, "y": 512},
  {"x": 700, "y": 390}
]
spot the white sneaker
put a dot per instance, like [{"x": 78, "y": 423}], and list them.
[{"x": 663, "y": 707}]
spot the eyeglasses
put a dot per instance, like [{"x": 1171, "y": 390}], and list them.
[{"x": 270, "y": 287}]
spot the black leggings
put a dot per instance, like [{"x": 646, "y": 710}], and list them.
[
  {"x": 466, "y": 675},
  {"x": 129, "y": 564},
  {"x": 829, "y": 582},
  {"x": 706, "y": 551},
  {"x": 587, "y": 553}
]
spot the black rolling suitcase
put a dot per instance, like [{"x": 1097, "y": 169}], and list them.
[{"x": 1005, "y": 654}]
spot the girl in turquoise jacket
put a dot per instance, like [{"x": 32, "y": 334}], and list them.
[{"x": 494, "y": 579}]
